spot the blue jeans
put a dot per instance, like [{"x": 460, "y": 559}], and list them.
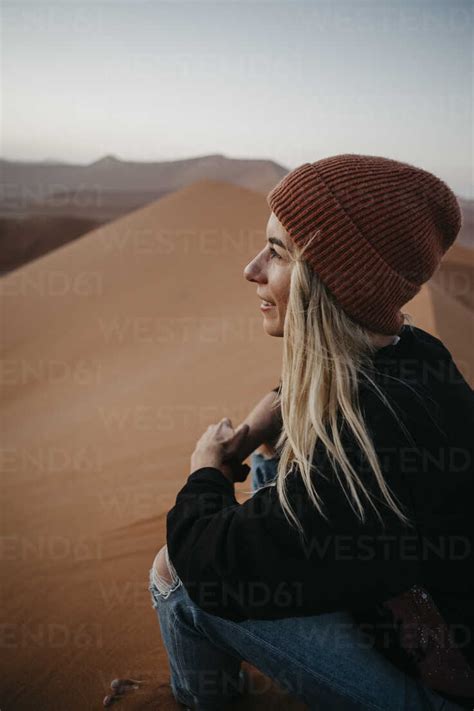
[{"x": 324, "y": 660}]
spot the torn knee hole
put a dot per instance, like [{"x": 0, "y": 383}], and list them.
[{"x": 163, "y": 576}]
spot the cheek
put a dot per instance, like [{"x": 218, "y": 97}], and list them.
[{"x": 282, "y": 290}]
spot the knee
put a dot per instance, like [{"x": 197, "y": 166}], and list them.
[{"x": 161, "y": 567}]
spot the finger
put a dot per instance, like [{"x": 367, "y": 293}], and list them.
[
  {"x": 225, "y": 424},
  {"x": 233, "y": 442},
  {"x": 242, "y": 431},
  {"x": 239, "y": 434}
]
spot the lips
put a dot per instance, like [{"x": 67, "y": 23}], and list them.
[{"x": 266, "y": 301}]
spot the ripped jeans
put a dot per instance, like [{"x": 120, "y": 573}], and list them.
[{"x": 324, "y": 660}]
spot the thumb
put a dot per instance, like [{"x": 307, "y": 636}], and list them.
[{"x": 241, "y": 431}]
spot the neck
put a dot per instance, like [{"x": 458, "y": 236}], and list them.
[{"x": 380, "y": 340}]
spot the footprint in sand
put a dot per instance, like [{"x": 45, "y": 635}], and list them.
[{"x": 119, "y": 688}]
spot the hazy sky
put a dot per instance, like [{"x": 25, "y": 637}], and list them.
[{"x": 290, "y": 81}]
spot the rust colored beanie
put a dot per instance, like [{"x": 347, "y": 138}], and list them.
[{"x": 381, "y": 227}]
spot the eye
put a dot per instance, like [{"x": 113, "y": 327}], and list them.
[{"x": 274, "y": 254}]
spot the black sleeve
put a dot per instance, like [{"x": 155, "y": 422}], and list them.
[{"x": 243, "y": 561}]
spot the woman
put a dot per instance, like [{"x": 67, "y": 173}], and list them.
[{"x": 346, "y": 576}]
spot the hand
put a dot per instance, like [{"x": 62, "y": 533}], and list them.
[{"x": 218, "y": 446}]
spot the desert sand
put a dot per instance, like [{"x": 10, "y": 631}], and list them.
[{"x": 119, "y": 349}]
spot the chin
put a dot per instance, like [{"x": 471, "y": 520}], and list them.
[{"x": 273, "y": 330}]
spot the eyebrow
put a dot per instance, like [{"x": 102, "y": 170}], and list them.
[{"x": 275, "y": 240}]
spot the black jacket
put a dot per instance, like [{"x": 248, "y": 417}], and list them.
[{"x": 242, "y": 561}]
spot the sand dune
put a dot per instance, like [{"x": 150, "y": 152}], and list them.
[
  {"x": 456, "y": 274},
  {"x": 119, "y": 350},
  {"x": 44, "y": 203},
  {"x": 25, "y": 239}
]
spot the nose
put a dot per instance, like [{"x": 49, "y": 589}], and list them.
[{"x": 253, "y": 271}]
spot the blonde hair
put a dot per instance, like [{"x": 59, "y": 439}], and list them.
[{"x": 325, "y": 355}]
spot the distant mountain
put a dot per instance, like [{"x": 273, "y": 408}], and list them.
[
  {"x": 107, "y": 161},
  {"x": 466, "y": 236},
  {"x": 62, "y": 188}
]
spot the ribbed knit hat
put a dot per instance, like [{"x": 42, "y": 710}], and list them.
[{"x": 382, "y": 228}]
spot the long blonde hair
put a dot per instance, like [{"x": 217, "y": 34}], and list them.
[{"x": 325, "y": 355}]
